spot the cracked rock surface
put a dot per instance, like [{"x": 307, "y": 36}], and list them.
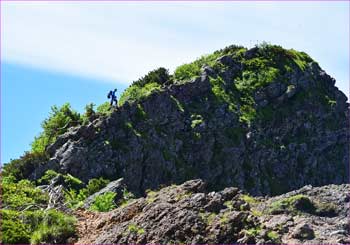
[{"x": 188, "y": 213}]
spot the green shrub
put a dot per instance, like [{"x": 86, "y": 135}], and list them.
[
  {"x": 249, "y": 199},
  {"x": 135, "y": 229},
  {"x": 160, "y": 76},
  {"x": 223, "y": 93},
  {"x": 253, "y": 231},
  {"x": 274, "y": 237},
  {"x": 94, "y": 185},
  {"x": 127, "y": 195},
  {"x": 151, "y": 196},
  {"x": 89, "y": 113},
  {"x": 290, "y": 59},
  {"x": 55, "y": 227},
  {"x": 47, "y": 177},
  {"x": 191, "y": 70},
  {"x": 74, "y": 193},
  {"x": 104, "y": 109},
  {"x": 36, "y": 227},
  {"x": 325, "y": 209},
  {"x": 136, "y": 93},
  {"x": 187, "y": 71},
  {"x": 21, "y": 195},
  {"x": 248, "y": 114},
  {"x": 58, "y": 122},
  {"x": 75, "y": 197},
  {"x": 8, "y": 180},
  {"x": 145, "y": 86},
  {"x": 293, "y": 204},
  {"x": 104, "y": 202},
  {"x": 40, "y": 143},
  {"x": 208, "y": 218},
  {"x": 234, "y": 50},
  {"x": 229, "y": 205},
  {"x": 13, "y": 231},
  {"x": 256, "y": 77},
  {"x": 301, "y": 59},
  {"x": 22, "y": 168},
  {"x": 72, "y": 182}
]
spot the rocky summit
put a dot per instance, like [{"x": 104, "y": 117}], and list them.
[
  {"x": 239, "y": 146},
  {"x": 266, "y": 120}
]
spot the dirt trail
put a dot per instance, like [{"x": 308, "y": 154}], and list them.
[{"x": 88, "y": 225}]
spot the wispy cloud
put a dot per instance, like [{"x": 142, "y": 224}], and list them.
[{"x": 121, "y": 41}]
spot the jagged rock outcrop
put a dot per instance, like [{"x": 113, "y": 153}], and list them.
[
  {"x": 232, "y": 125},
  {"x": 116, "y": 186},
  {"x": 190, "y": 214}
]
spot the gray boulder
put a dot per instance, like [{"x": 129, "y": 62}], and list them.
[
  {"x": 117, "y": 186},
  {"x": 275, "y": 89},
  {"x": 303, "y": 232}
]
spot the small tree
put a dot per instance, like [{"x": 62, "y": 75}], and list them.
[
  {"x": 89, "y": 110},
  {"x": 89, "y": 114},
  {"x": 60, "y": 119},
  {"x": 160, "y": 76}
]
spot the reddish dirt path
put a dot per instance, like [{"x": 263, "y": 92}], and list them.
[{"x": 88, "y": 225}]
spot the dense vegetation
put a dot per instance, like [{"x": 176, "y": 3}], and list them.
[
  {"x": 186, "y": 72},
  {"x": 36, "y": 227},
  {"x": 143, "y": 87},
  {"x": 104, "y": 202},
  {"x": 25, "y": 218},
  {"x": 266, "y": 63}
]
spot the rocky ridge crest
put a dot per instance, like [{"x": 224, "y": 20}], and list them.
[{"x": 234, "y": 124}]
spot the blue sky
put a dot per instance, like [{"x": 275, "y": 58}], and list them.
[{"x": 56, "y": 52}]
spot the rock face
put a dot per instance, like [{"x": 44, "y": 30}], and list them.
[
  {"x": 265, "y": 136},
  {"x": 190, "y": 214},
  {"x": 116, "y": 186}
]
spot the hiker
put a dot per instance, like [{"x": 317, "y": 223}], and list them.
[{"x": 111, "y": 95}]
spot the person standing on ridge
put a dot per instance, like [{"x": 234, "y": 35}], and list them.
[{"x": 111, "y": 95}]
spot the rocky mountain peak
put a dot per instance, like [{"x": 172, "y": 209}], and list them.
[{"x": 267, "y": 120}]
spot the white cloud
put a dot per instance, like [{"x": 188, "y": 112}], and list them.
[{"x": 121, "y": 41}]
